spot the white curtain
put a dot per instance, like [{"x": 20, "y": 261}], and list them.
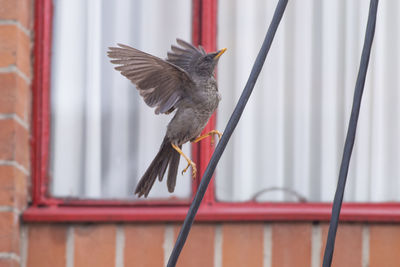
[
  {"x": 103, "y": 137},
  {"x": 290, "y": 139}
]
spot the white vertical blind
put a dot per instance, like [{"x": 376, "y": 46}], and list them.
[
  {"x": 292, "y": 132},
  {"x": 93, "y": 105},
  {"x": 103, "y": 135}
]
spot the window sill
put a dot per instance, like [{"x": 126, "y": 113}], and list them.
[{"x": 218, "y": 212}]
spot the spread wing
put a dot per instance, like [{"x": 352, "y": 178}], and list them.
[
  {"x": 160, "y": 83},
  {"x": 185, "y": 56}
]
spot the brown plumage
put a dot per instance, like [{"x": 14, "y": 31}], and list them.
[{"x": 183, "y": 82}]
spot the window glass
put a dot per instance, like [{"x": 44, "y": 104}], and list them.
[
  {"x": 289, "y": 142},
  {"x": 103, "y": 136}
]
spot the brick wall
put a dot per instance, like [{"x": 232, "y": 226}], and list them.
[
  {"x": 15, "y": 79},
  {"x": 227, "y": 244}
]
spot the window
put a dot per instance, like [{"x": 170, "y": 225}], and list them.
[
  {"x": 103, "y": 136},
  {"x": 290, "y": 139},
  {"x": 66, "y": 172},
  {"x": 288, "y": 143}
]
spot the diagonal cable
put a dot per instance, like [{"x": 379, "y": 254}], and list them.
[
  {"x": 351, "y": 133},
  {"x": 233, "y": 121}
]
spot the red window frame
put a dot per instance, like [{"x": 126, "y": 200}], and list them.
[{"x": 50, "y": 209}]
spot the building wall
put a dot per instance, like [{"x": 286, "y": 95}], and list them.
[
  {"x": 16, "y": 23},
  {"x": 226, "y": 244},
  {"x": 101, "y": 244}
]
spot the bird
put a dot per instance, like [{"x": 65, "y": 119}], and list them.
[{"x": 183, "y": 83}]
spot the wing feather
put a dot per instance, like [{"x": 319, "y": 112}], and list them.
[
  {"x": 162, "y": 84},
  {"x": 185, "y": 56}
]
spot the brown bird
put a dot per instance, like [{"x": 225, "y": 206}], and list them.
[{"x": 183, "y": 82}]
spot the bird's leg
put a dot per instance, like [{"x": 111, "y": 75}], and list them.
[
  {"x": 190, "y": 163},
  {"x": 210, "y": 133}
]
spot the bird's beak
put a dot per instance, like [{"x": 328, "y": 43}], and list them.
[{"x": 220, "y": 52}]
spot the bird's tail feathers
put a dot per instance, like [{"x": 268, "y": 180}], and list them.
[
  {"x": 173, "y": 171},
  {"x": 167, "y": 155}
]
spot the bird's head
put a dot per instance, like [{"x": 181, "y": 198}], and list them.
[{"x": 206, "y": 64}]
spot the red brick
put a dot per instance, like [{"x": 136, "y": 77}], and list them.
[
  {"x": 24, "y": 53},
  {"x": 15, "y": 48},
  {"x": 7, "y": 186},
  {"x": 348, "y": 245},
  {"x": 7, "y": 139},
  {"x": 384, "y": 245},
  {"x": 22, "y": 148},
  {"x": 199, "y": 247},
  {"x": 144, "y": 245},
  {"x": 13, "y": 188},
  {"x": 291, "y": 244},
  {"x": 25, "y": 13},
  {"x": 9, "y": 232},
  {"x": 8, "y": 45},
  {"x": 9, "y": 263},
  {"x": 242, "y": 244},
  {"x": 94, "y": 246},
  {"x": 14, "y": 142},
  {"x": 8, "y": 9},
  {"x": 14, "y": 95},
  {"x": 8, "y": 92},
  {"x": 21, "y": 10},
  {"x": 46, "y": 245},
  {"x": 22, "y": 104}
]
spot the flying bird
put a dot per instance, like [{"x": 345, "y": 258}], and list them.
[{"x": 184, "y": 83}]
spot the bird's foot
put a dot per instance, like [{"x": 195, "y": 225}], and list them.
[
  {"x": 215, "y": 132},
  {"x": 194, "y": 169},
  {"x": 190, "y": 163},
  {"x": 210, "y": 133}
]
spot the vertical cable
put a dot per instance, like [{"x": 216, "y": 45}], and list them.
[{"x": 351, "y": 133}]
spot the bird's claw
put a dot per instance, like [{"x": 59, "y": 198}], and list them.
[
  {"x": 217, "y": 133},
  {"x": 185, "y": 169},
  {"x": 194, "y": 169}
]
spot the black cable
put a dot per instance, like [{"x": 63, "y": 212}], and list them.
[
  {"x": 351, "y": 133},
  {"x": 230, "y": 127}
]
